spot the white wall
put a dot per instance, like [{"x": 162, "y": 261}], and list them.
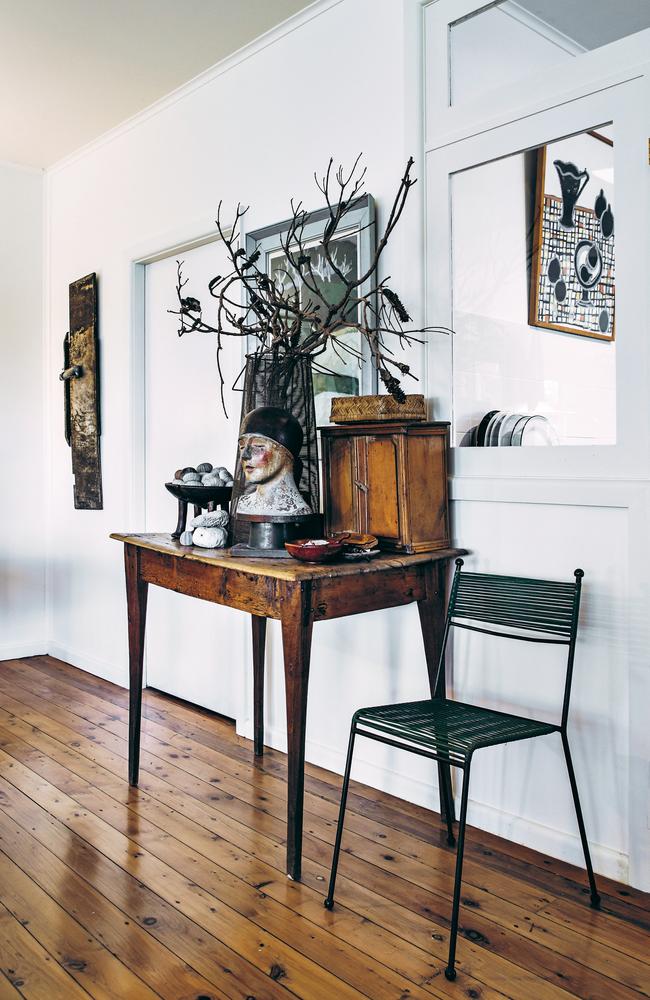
[
  {"x": 23, "y": 497},
  {"x": 256, "y": 134}
]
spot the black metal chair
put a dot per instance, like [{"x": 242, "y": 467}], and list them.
[{"x": 450, "y": 731}]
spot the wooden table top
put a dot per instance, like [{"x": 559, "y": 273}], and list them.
[{"x": 281, "y": 569}]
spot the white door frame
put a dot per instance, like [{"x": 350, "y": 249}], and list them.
[
  {"x": 157, "y": 247},
  {"x": 629, "y": 459},
  {"x": 444, "y": 123}
]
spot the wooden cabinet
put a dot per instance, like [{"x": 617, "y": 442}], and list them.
[{"x": 389, "y": 480}]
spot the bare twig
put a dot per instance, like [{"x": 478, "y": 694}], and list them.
[{"x": 298, "y": 310}]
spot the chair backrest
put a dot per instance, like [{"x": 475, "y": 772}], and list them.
[{"x": 516, "y": 607}]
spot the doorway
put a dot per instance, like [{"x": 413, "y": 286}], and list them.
[{"x": 194, "y": 649}]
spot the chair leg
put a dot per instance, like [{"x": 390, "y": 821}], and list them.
[
  {"x": 447, "y": 800},
  {"x": 328, "y": 903},
  {"x": 450, "y": 971},
  {"x": 595, "y": 898}
]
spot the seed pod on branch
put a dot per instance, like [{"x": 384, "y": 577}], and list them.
[{"x": 397, "y": 304}]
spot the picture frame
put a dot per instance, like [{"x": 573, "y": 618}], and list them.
[
  {"x": 572, "y": 278},
  {"x": 332, "y": 375}
]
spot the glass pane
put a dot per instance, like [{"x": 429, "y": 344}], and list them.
[
  {"x": 534, "y": 296},
  {"x": 507, "y": 41}
]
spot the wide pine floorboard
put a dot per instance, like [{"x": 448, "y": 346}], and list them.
[{"x": 177, "y": 889}]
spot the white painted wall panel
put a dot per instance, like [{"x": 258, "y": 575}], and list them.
[{"x": 524, "y": 786}]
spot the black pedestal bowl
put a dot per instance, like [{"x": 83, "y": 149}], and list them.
[{"x": 200, "y": 496}]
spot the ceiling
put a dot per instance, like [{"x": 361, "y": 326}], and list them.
[{"x": 72, "y": 69}]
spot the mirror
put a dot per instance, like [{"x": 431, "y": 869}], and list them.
[{"x": 533, "y": 282}]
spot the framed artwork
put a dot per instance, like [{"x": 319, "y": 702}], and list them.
[
  {"x": 335, "y": 373},
  {"x": 573, "y": 260}
]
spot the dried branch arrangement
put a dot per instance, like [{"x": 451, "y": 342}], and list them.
[{"x": 289, "y": 314}]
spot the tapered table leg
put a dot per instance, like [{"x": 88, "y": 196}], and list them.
[
  {"x": 136, "y": 596},
  {"x": 432, "y": 623},
  {"x": 259, "y": 647},
  {"x": 297, "y": 625}
]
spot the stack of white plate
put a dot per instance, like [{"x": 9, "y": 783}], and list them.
[{"x": 502, "y": 429}]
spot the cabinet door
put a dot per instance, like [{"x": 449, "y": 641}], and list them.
[
  {"x": 340, "y": 485},
  {"x": 382, "y": 457},
  {"x": 427, "y": 490}
]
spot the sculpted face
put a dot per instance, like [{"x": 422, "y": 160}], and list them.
[
  {"x": 263, "y": 460},
  {"x": 268, "y": 468}
]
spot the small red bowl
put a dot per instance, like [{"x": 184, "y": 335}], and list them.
[{"x": 306, "y": 551}]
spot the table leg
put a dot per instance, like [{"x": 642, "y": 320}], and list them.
[
  {"x": 136, "y": 596},
  {"x": 297, "y": 625},
  {"x": 259, "y": 647},
  {"x": 432, "y": 623}
]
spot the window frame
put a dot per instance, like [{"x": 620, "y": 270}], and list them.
[{"x": 584, "y": 107}]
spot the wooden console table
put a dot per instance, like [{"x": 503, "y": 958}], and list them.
[{"x": 298, "y": 594}]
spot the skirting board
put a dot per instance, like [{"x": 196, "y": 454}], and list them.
[
  {"x": 548, "y": 840},
  {"x": 91, "y": 664},
  {"x": 15, "y": 650}
]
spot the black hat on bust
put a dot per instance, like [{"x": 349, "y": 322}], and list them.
[{"x": 274, "y": 423}]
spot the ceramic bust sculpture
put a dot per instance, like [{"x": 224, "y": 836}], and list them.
[{"x": 269, "y": 447}]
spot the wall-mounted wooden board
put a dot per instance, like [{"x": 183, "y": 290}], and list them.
[{"x": 81, "y": 380}]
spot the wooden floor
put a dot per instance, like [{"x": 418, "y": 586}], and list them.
[{"x": 177, "y": 889}]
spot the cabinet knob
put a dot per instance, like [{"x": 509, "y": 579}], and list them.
[{"x": 361, "y": 486}]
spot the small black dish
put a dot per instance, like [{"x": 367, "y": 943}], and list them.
[
  {"x": 198, "y": 494},
  {"x": 482, "y": 427}
]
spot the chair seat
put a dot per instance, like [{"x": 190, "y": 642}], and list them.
[{"x": 450, "y": 730}]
